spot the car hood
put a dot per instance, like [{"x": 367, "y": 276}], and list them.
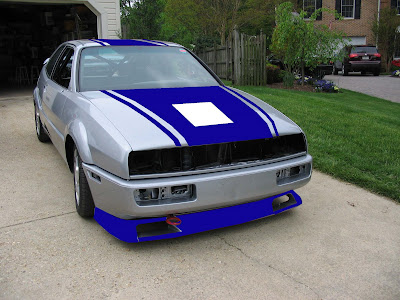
[{"x": 190, "y": 116}]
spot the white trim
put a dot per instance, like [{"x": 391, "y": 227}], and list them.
[
  {"x": 118, "y": 18},
  {"x": 354, "y": 10},
  {"x": 398, "y": 7}
]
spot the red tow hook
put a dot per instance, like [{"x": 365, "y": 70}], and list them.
[{"x": 173, "y": 220}]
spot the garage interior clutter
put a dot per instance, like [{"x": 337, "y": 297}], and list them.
[{"x": 29, "y": 33}]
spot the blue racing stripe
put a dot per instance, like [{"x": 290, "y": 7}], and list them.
[
  {"x": 246, "y": 124},
  {"x": 127, "y": 43},
  {"x": 97, "y": 42},
  {"x": 252, "y": 103},
  {"x": 165, "y": 130}
]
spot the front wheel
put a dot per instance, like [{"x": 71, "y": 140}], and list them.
[
  {"x": 40, "y": 132},
  {"x": 83, "y": 197}
]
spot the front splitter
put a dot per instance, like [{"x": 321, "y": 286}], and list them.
[{"x": 127, "y": 230}]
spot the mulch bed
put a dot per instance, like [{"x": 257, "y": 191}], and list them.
[{"x": 296, "y": 87}]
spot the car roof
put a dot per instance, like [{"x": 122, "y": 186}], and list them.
[{"x": 125, "y": 42}]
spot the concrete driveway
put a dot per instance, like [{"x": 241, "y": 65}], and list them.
[
  {"x": 383, "y": 86},
  {"x": 342, "y": 243}
]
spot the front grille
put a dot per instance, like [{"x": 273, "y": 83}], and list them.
[{"x": 215, "y": 155}]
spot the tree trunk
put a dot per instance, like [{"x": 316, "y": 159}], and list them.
[
  {"x": 388, "y": 63},
  {"x": 223, "y": 30},
  {"x": 302, "y": 72}
]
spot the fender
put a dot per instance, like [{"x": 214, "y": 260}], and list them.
[
  {"x": 36, "y": 96},
  {"x": 37, "y": 99},
  {"x": 78, "y": 133}
]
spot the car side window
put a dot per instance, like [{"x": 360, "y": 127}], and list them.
[
  {"x": 62, "y": 71},
  {"x": 53, "y": 60}
]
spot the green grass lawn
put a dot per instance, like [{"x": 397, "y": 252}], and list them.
[{"x": 351, "y": 136}]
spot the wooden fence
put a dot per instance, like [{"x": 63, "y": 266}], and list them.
[{"x": 242, "y": 60}]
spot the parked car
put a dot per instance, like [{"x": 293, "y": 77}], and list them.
[
  {"x": 359, "y": 59},
  {"x": 272, "y": 59},
  {"x": 159, "y": 147}
]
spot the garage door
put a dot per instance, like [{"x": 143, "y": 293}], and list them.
[{"x": 356, "y": 40}]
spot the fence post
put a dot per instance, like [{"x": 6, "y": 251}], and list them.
[
  {"x": 242, "y": 60},
  {"x": 215, "y": 58},
  {"x": 227, "y": 59},
  {"x": 264, "y": 62},
  {"x": 236, "y": 60}
]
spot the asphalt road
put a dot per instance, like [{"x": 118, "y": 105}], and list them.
[
  {"x": 342, "y": 243},
  {"x": 383, "y": 86}
]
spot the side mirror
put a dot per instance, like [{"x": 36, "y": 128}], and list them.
[{"x": 46, "y": 61}]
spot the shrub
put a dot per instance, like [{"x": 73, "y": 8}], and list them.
[
  {"x": 288, "y": 79},
  {"x": 273, "y": 73},
  {"x": 396, "y": 63}
]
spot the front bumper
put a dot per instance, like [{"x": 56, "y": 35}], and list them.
[
  {"x": 140, "y": 230},
  {"x": 115, "y": 195}
]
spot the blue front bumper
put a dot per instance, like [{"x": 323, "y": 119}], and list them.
[{"x": 140, "y": 230}]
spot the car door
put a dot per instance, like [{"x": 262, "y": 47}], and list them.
[{"x": 54, "y": 96}]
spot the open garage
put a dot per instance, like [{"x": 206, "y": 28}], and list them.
[{"x": 31, "y": 30}]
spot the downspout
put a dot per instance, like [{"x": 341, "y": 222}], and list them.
[{"x": 379, "y": 12}]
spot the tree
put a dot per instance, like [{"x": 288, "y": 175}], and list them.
[
  {"x": 203, "y": 18},
  {"x": 300, "y": 43},
  {"x": 142, "y": 18},
  {"x": 386, "y": 33},
  {"x": 257, "y": 15}
]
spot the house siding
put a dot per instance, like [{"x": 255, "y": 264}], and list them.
[
  {"x": 112, "y": 11},
  {"x": 361, "y": 27},
  {"x": 352, "y": 27}
]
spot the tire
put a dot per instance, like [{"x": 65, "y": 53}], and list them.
[
  {"x": 345, "y": 71},
  {"x": 83, "y": 197},
  {"x": 335, "y": 71},
  {"x": 376, "y": 73},
  {"x": 40, "y": 132}
]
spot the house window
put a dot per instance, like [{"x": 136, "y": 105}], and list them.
[
  {"x": 309, "y": 6},
  {"x": 348, "y": 8}
]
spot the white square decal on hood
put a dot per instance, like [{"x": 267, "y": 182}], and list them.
[{"x": 202, "y": 114}]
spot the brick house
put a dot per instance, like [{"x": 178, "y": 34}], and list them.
[{"x": 358, "y": 16}]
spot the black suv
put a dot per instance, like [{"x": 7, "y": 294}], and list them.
[{"x": 359, "y": 59}]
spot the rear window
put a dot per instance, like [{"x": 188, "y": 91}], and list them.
[
  {"x": 364, "y": 50},
  {"x": 140, "y": 67}
]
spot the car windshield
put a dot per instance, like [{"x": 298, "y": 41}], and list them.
[
  {"x": 364, "y": 50},
  {"x": 140, "y": 67}
]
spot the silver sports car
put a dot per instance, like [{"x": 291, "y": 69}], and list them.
[{"x": 159, "y": 146}]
